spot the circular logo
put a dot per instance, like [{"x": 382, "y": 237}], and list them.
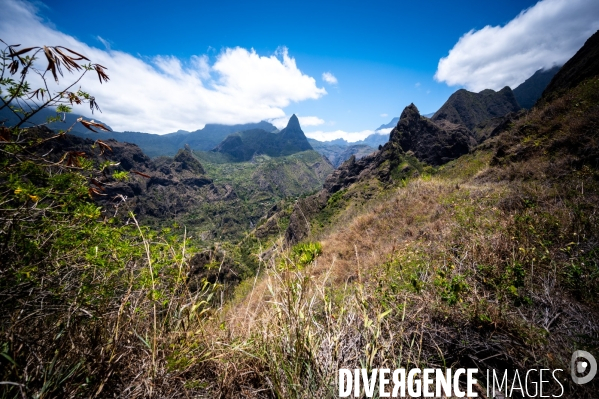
[{"x": 578, "y": 366}]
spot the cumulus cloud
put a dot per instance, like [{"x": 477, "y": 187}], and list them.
[
  {"x": 547, "y": 34},
  {"x": 280, "y": 123},
  {"x": 329, "y": 78},
  {"x": 164, "y": 94},
  {"x": 386, "y": 130},
  {"x": 384, "y": 115}
]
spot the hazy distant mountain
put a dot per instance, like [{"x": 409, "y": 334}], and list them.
[
  {"x": 470, "y": 109},
  {"x": 532, "y": 88},
  {"x": 374, "y": 140},
  {"x": 152, "y": 145},
  {"x": 391, "y": 124},
  {"x": 10, "y": 119},
  {"x": 168, "y": 144},
  {"x": 338, "y": 151},
  {"x": 242, "y": 146}
]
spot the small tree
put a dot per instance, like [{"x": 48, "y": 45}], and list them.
[{"x": 25, "y": 102}]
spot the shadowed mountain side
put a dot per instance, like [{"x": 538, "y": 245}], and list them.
[
  {"x": 583, "y": 65},
  {"x": 164, "y": 190},
  {"x": 532, "y": 88},
  {"x": 244, "y": 145},
  {"x": 469, "y": 109}
]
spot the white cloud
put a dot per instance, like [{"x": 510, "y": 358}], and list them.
[
  {"x": 164, "y": 94},
  {"x": 386, "y": 130},
  {"x": 542, "y": 36},
  {"x": 340, "y": 134},
  {"x": 384, "y": 115},
  {"x": 281, "y": 122},
  {"x": 104, "y": 42},
  {"x": 329, "y": 78}
]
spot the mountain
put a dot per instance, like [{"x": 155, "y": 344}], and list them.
[
  {"x": 242, "y": 146},
  {"x": 153, "y": 145},
  {"x": 70, "y": 119},
  {"x": 389, "y": 125},
  {"x": 532, "y": 88},
  {"x": 584, "y": 65},
  {"x": 415, "y": 140},
  {"x": 469, "y": 109},
  {"x": 374, "y": 140},
  {"x": 338, "y": 151},
  {"x": 472, "y": 254}
]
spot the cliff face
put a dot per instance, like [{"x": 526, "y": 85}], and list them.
[
  {"x": 470, "y": 109},
  {"x": 244, "y": 145}
]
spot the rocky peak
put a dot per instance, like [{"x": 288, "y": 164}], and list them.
[
  {"x": 408, "y": 121},
  {"x": 433, "y": 143},
  {"x": 293, "y": 123},
  {"x": 188, "y": 162},
  {"x": 410, "y": 112}
]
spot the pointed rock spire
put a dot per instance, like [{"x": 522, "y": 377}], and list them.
[{"x": 293, "y": 123}]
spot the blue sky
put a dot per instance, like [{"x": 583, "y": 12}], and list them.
[{"x": 181, "y": 64}]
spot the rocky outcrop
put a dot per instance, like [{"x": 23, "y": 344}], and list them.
[
  {"x": 154, "y": 187},
  {"x": 433, "y": 143}
]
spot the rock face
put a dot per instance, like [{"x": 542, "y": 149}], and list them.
[
  {"x": 469, "y": 109},
  {"x": 433, "y": 143},
  {"x": 244, "y": 145},
  {"x": 532, "y": 88}
]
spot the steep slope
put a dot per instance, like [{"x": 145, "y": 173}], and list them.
[
  {"x": 532, "y": 88},
  {"x": 469, "y": 109},
  {"x": 244, "y": 145},
  {"x": 584, "y": 65}
]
